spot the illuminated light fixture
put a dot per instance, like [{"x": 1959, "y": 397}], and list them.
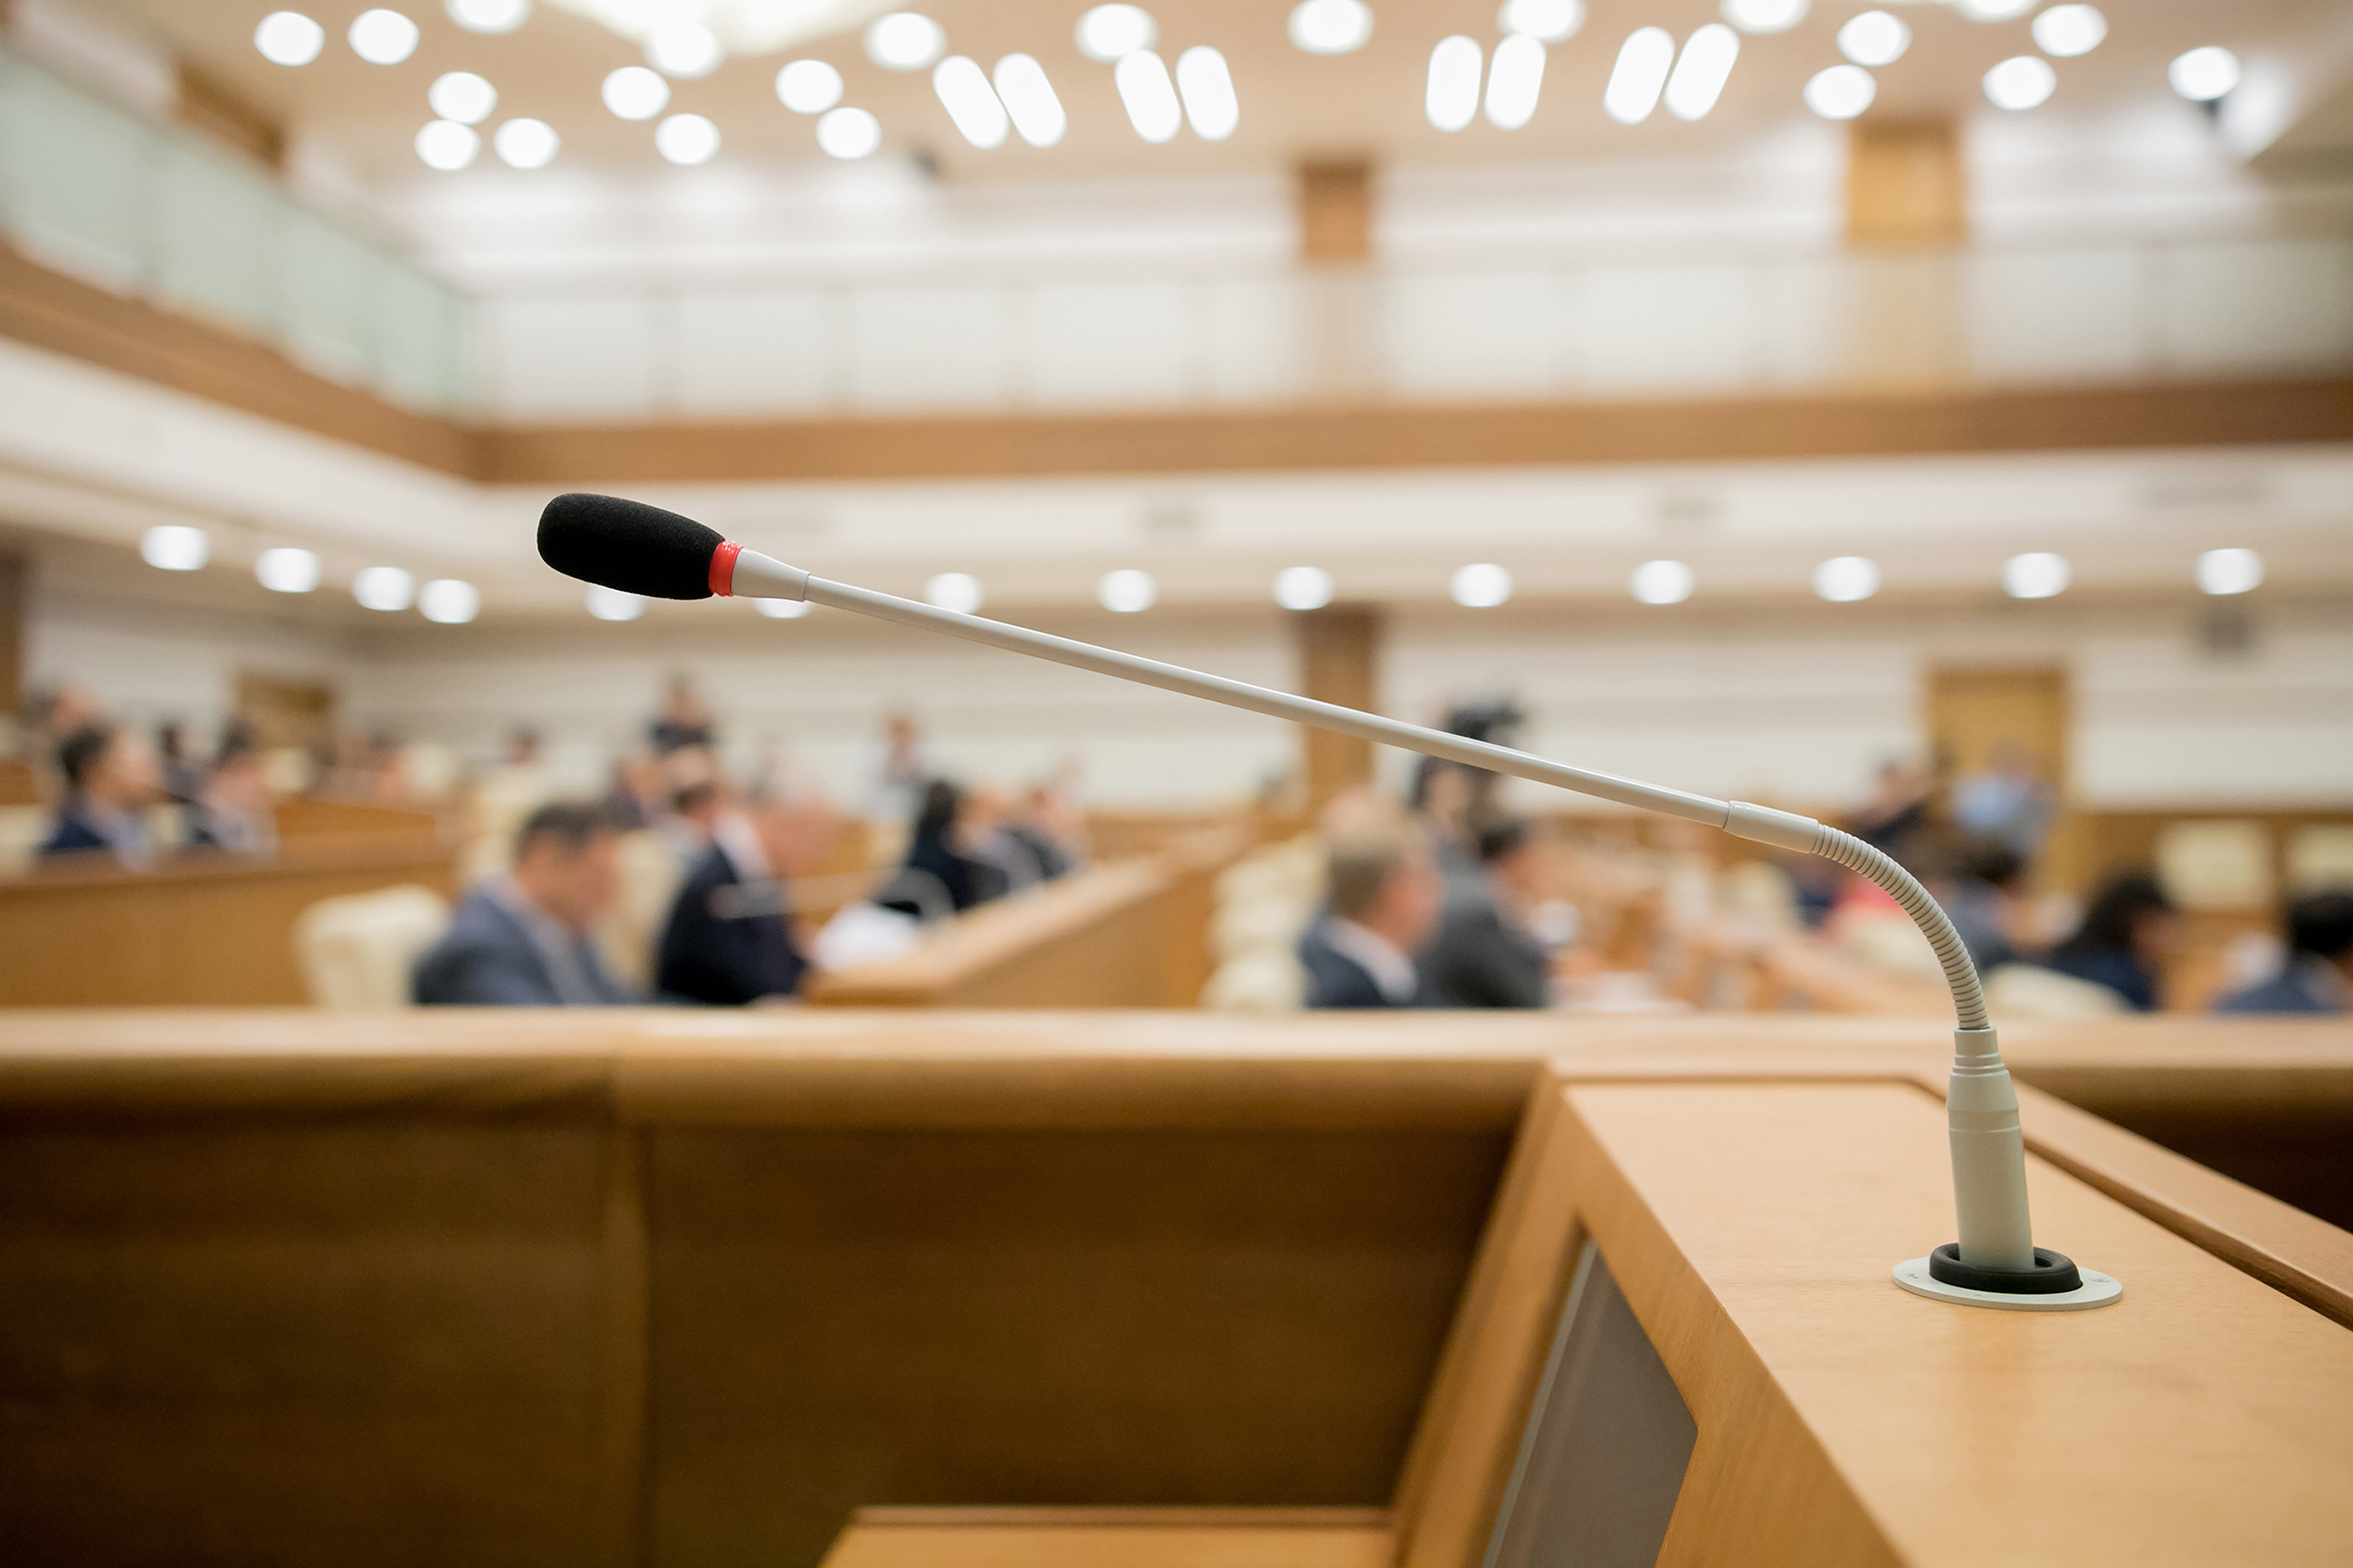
[
  {"x": 633, "y": 92},
  {"x": 1029, "y": 98},
  {"x": 383, "y": 37},
  {"x": 526, "y": 143},
  {"x": 1844, "y": 579},
  {"x": 2021, "y": 81},
  {"x": 849, "y": 133},
  {"x": 1150, "y": 97},
  {"x": 2201, "y": 76},
  {"x": 448, "y": 601},
  {"x": 904, "y": 41},
  {"x": 2230, "y": 570},
  {"x": 686, "y": 139},
  {"x": 1210, "y": 106},
  {"x": 1127, "y": 591},
  {"x": 1993, "y": 10},
  {"x": 384, "y": 588},
  {"x": 446, "y": 145},
  {"x": 1330, "y": 26},
  {"x": 970, "y": 102},
  {"x": 1547, "y": 21},
  {"x": 463, "y": 96},
  {"x": 2038, "y": 574},
  {"x": 1640, "y": 75},
  {"x": 2067, "y": 31},
  {"x": 1841, "y": 92},
  {"x": 782, "y": 609},
  {"x": 808, "y": 87},
  {"x": 287, "y": 570},
  {"x": 1874, "y": 38},
  {"x": 1110, "y": 33},
  {"x": 288, "y": 38},
  {"x": 1661, "y": 583},
  {"x": 1764, "y": 15},
  {"x": 175, "y": 547},
  {"x": 1453, "y": 96},
  {"x": 957, "y": 591},
  {"x": 1303, "y": 588},
  {"x": 614, "y": 604},
  {"x": 1701, "y": 71},
  {"x": 684, "y": 49},
  {"x": 1515, "y": 82},
  {"x": 489, "y": 15},
  {"x": 1481, "y": 586}
]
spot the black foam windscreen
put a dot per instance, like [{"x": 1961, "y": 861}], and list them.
[{"x": 628, "y": 545}]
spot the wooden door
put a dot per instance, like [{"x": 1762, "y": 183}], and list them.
[{"x": 288, "y": 713}]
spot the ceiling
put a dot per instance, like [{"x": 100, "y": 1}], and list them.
[{"x": 1293, "y": 104}]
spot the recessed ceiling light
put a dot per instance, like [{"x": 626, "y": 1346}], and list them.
[
  {"x": 614, "y": 604},
  {"x": 448, "y": 601},
  {"x": 1841, "y": 92},
  {"x": 686, "y": 139},
  {"x": 287, "y": 570},
  {"x": 1330, "y": 26},
  {"x": 489, "y": 15},
  {"x": 684, "y": 49},
  {"x": 1661, "y": 583},
  {"x": 383, "y": 37},
  {"x": 526, "y": 143},
  {"x": 1764, "y": 15},
  {"x": 384, "y": 588},
  {"x": 963, "y": 91},
  {"x": 1210, "y": 107},
  {"x": 1993, "y": 10},
  {"x": 848, "y": 132},
  {"x": 288, "y": 38},
  {"x": 1021, "y": 86},
  {"x": 1453, "y": 97},
  {"x": 1303, "y": 588},
  {"x": 2038, "y": 574},
  {"x": 808, "y": 87},
  {"x": 1482, "y": 586},
  {"x": 1874, "y": 38},
  {"x": 904, "y": 41},
  {"x": 782, "y": 609},
  {"x": 2067, "y": 31},
  {"x": 462, "y": 96},
  {"x": 1109, "y": 32},
  {"x": 1701, "y": 71},
  {"x": 633, "y": 92},
  {"x": 1148, "y": 94},
  {"x": 2022, "y": 82},
  {"x": 1515, "y": 82},
  {"x": 1126, "y": 591},
  {"x": 2230, "y": 570},
  {"x": 1548, "y": 21},
  {"x": 446, "y": 145},
  {"x": 1844, "y": 579},
  {"x": 957, "y": 591},
  {"x": 1639, "y": 76},
  {"x": 2204, "y": 75},
  {"x": 175, "y": 547}
]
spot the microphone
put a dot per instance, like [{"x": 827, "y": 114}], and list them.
[{"x": 641, "y": 549}]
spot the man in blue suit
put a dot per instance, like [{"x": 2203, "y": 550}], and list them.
[
  {"x": 2318, "y": 977},
  {"x": 729, "y": 940},
  {"x": 1382, "y": 898},
  {"x": 111, "y": 779},
  {"x": 521, "y": 940}
]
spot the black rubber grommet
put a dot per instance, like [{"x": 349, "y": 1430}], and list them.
[{"x": 2053, "y": 1273}]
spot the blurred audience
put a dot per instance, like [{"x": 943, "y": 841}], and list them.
[
  {"x": 1984, "y": 900},
  {"x": 111, "y": 779},
  {"x": 1383, "y": 893},
  {"x": 729, "y": 940},
  {"x": 524, "y": 938},
  {"x": 2123, "y": 943},
  {"x": 903, "y": 773},
  {"x": 937, "y": 876},
  {"x": 2318, "y": 975},
  {"x": 2008, "y": 803},
  {"x": 682, "y": 722},
  {"x": 1484, "y": 954},
  {"x": 183, "y": 779},
  {"x": 235, "y": 809},
  {"x": 1052, "y": 830}
]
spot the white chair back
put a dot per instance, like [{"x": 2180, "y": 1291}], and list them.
[{"x": 356, "y": 950}]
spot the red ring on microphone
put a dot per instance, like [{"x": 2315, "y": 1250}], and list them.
[{"x": 722, "y": 569}]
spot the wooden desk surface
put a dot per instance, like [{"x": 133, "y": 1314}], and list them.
[{"x": 1103, "y": 1537}]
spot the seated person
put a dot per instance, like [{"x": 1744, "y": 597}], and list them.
[
  {"x": 521, "y": 940},
  {"x": 729, "y": 940},
  {"x": 1382, "y": 897},
  {"x": 234, "y": 809},
  {"x": 1983, "y": 903},
  {"x": 2319, "y": 973},
  {"x": 1483, "y": 956},
  {"x": 2123, "y": 941},
  {"x": 111, "y": 780},
  {"x": 938, "y": 877}
]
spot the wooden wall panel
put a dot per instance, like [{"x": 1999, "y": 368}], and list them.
[
  {"x": 1339, "y": 662},
  {"x": 1906, "y": 182}
]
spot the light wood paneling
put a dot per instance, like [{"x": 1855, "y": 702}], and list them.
[
  {"x": 1339, "y": 662},
  {"x": 1906, "y": 182},
  {"x": 1336, "y": 211},
  {"x": 15, "y": 585}
]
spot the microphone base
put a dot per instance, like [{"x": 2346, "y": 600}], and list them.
[{"x": 2097, "y": 1289}]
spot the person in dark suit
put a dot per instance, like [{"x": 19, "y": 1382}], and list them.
[
  {"x": 1382, "y": 895},
  {"x": 2318, "y": 976},
  {"x": 729, "y": 938},
  {"x": 2123, "y": 940},
  {"x": 521, "y": 940},
  {"x": 1482, "y": 955},
  {"x": 111, "y": 779},
  {"x": 937, "y": 876}
]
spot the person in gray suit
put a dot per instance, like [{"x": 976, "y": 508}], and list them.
[
  {"x": 521, "y": 940},
  {"x": 1482, "y": 956}
]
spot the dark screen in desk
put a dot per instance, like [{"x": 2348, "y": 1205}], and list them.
[{"x": 1608, "y": 1440}]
